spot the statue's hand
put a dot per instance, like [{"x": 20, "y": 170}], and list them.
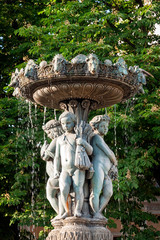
[
  {"x": 45, "y": 146},
  {"x": 56, "y": 175},
  {"x": 80, "y": 141}
]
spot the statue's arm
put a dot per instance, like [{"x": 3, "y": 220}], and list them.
[
  {"x": 57, "y": 160},
  {"x": 43, "y": 151},
  {"x": 50, "y": 152},
  {"x": 104, "y": 147}
]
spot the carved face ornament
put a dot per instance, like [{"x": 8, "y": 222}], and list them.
[
  {"x": 58, "y": 64},
  {"x": 93, "y": 64}
]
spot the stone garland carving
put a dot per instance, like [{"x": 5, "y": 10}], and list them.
[
  {"x": 80, "y": 65},
  {"x": 78, "y": 153}
]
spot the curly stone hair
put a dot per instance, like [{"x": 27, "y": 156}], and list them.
[
  {"x": 97, "y": 119},
  {"x": 51, "y": 124},
  {"x": 68, "y": 114}
]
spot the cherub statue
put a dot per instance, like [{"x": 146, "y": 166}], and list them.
[
  {"x": 122, "y": 67},
  {"x": 15, "y": 79},
  {"x": 59, "y": 64},
  {"x": 53, "y": 130},
  {"x": 15, "y": 82},
  {"x": 103, "y": 159},
  {"x": 69, "y": 175},
  {"x": 31, "y": 70},
  {"x": 92, "y": 63}
]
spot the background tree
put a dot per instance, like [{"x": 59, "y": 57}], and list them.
[{"x": 109, "y": 29}]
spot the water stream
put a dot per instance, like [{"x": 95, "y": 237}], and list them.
[
  {"x": 44, "y": 121},
  {"x": 55, "y": 114},
  {"x": 115, "y": 129},
  {"x": 44, "y": 205},
  {"x": 116, "y": 154},
  {"x": 16, "y": 155},
  {"x": 32, "y": 169}
]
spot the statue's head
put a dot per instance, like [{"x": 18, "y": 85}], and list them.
[
  {"x": 53, "y": 129},
  {"x": 31, "y": 62},
  {"x": 93, "y": 63},
  {"x": 100, "y": 124},
  {"x": 58, "y": 64},
  {"x": 15, "y": 79},
  {"x": 68, "y": 121}
]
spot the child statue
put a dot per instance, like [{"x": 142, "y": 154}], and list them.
[
  {"x": 103, "y": 159},
  {"x": 70, "y": 175},
  {"x": 53, "y": 130}
]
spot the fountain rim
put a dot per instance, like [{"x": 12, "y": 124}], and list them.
[{"x": 29, "y": 90}]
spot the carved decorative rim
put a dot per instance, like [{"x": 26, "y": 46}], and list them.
[
  {"x": 85, "y": 77},
  {"x": 104, "y": 91}
]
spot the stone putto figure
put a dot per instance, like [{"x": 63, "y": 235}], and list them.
[
  {"x": 31, "y": 70},
  {"x": 15, "y": 79},
  {"x": 53, "y": 130},
  {"x": 64, "y": 167},
  {"x": 92, "y": 63},
  {"x": 59, "y": 64},
  {"x": 108, "y": 62},
  {"x": 122, "y": 67},
  {"x": 103, "y": 159}
]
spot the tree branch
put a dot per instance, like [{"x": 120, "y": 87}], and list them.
[{"x": 124, "y": 39}]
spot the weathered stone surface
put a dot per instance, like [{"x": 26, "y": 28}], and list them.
[
  {"x": 85, "y": 77},
  {"x": 80, "y": 229}
]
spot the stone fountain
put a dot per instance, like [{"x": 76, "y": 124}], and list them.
[{"x": 79, "y": 163}]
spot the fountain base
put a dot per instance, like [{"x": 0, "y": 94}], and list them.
[{"x": 73, "y": 228}]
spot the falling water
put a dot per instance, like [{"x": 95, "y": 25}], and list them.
[
  {"x": 30, "y": 114},
  {"x": 35, "y": 116},
  {"x": 44, "y": 121},
  {"x": 17, "y": 135},
  {"x": 36, "y": 151},
  {"x": 55, "y": 114},
  {"x": 125, "y": 129},
  {"x": 44, "y": 209},
  {"x": 105, "y": 210},
  {"x": 115, "y": 129},
  {"x": 116, "y": 153},
  {"x": 33, "y": 169}
]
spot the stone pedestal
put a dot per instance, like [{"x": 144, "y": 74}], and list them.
[{"x": 73, "y": 228}]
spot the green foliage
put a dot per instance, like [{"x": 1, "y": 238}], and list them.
[{"x": 113, "y": 28}]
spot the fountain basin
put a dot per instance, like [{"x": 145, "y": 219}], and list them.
[
  {"x": 104, "y": 84},
  {"x": 102, "y": 90}
]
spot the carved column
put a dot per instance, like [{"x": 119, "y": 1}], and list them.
[{"x": 80, "y": 107}]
